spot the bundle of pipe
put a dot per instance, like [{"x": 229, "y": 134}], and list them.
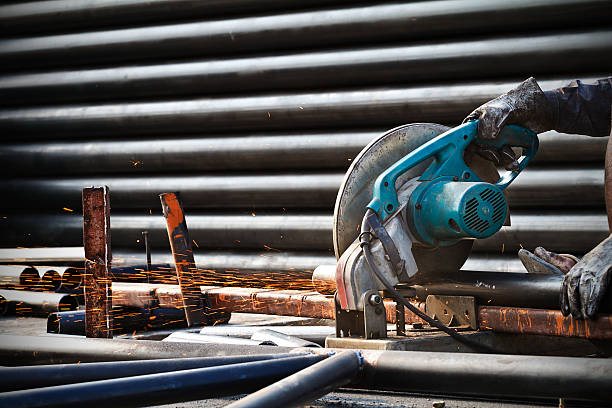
[
  {"x": 491, "y": 375},
  {"x": 147, "y": 99}
]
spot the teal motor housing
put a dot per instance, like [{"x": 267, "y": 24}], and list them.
[
  {"x": 451, "y": 202},
  {"x": 458, "y": 210}
]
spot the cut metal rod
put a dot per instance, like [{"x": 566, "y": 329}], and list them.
[
  {"x": 162, "y": 388},
  {"x": 183, "y": 257},
  {"x": 26, "y": 377},
  {"x": 96, "y": 241},
  {"x": 308, "y": 384}
]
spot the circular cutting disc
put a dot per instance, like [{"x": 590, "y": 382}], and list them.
[{"x": 356, "y": 192}]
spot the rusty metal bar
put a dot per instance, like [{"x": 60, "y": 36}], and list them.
[
  {"x": 541, "y": 321},
  {"x": 183, "y": 257},
  {"x": 96, "y": 241}
]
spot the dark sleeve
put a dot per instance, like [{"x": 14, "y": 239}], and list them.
[{"x": 582, "y": 108}]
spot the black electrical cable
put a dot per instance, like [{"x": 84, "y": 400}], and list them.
[{"x": 364, "y": 239}]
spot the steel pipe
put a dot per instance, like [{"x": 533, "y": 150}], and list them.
[
  {"x": 37, "y": 303},
  {"x": 67, "y": 15},
  {"x": 576, "y": 232},
  {"x": 500, "y": 376},
  {"x": 51, "y": 280},
  {"x": 372, "y": 66},
  {"x": 163, "y": 388},
  {"x": 42, "y": 256},
  {"x": 72, "y": 278},
  {"x": 578, "y": 187},
  {"x": 52, "y": 349},
  {"x": 234, "y": 152},
  {"x": 307, "y": 385},
  {"x": 19, "y": 277},
  {"x": 448, "y": 103},
  {"x": 125, "y": 319},
  {"x": 27, "y": 377},
  {"x": 503, "y": 289},
  {"x": 324, "y": 28}
]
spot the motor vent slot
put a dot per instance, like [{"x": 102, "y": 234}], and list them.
[{"x": 484, "y": 211}]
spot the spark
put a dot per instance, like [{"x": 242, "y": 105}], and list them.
[
  {"x": 67, "y": 209},
  {"x": 195, "y": 243}
]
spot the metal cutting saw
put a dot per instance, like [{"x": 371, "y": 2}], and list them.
[{"x": 409, "y": 209}]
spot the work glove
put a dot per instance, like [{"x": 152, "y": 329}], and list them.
[
  {"x": 585, "y": 285},
  {"x": 545, "y": 262},
  {"x": 525, "y": 105}
]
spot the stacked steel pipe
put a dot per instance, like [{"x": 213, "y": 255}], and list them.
[{"x": 254, "y": 110}]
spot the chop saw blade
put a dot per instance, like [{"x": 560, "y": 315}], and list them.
[{"x": 356, "y": 192}]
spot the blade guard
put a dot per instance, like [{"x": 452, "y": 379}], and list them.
[{"x": 447, "y": 152}]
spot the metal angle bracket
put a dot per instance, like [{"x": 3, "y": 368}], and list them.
[
  {"x": 453, "y": 311},
  {"x": 371, "y": 323}
]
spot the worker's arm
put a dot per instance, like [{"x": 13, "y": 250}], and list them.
[{"x": 582, "y": 108}]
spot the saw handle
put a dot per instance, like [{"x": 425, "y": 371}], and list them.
[{"x": 447, "y": 151}]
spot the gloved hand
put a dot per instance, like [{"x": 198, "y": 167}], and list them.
[
  {"x": 525, "y": 105},
  {"x": 586, "y": 284}
]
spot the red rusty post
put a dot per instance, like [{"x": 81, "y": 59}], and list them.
[
  {"x": 97, "y": 244},
  {"x": 183, "y": 257}
]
